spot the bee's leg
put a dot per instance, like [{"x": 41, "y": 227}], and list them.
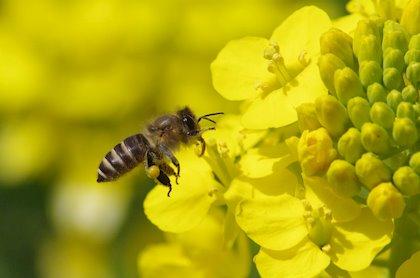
[
  {"x": 203, "y": 145},
  {"x": 168, "y": 153},
  {"x": 164, "y": 179}
]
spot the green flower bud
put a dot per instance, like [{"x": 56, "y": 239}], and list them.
[
  {"x": 364, "y": 28},
  {"x": 338, "y": 43},
  {"x": 376, "y": 92},
  {"x": 347, "y": 85},
  {"x": 393, "y": 99},
  {"x": 370, "y": 72},
  {"x": 413, "y": 74},
  {"x": 358, "y": 111},
  {"x": 394, "y": 58},
  {"x": 406, "y": 109},
  {"x": 410, "y": 94},
  {"x": 407, "y": 181},
  {"x": 404, "y": 132},
  {"x": 417, "y": 110},
  {"x": 415, "y": 162},
  {"x": 412, "y": 56},
  {"x": 386, "y": 202},
  {"x": 307, "y": 119},
  {"x": 315, "y": 151},
  {"x": 375, "y": 139},
  {"x": 328, "y": 64},
  {"x": 331, "y": 114},
  {"x": 386, "y": 8},
  {"x": 394, "y": 36},
  {"x": 350, "y": 145},
  {"x": 392, "y": 78},
  {"x": 370, "y": 49},
  {"x": 414, "y": 42},
  {"x": 342, "y": 177},
  {"x": 371, "y": 171},
  {"x": 382, "y": 114},
  {"x": 410, "y": 17},
  {"x": 398, "y": 160}
]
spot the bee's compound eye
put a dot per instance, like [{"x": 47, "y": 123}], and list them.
[{"x": 153, "y": 172}]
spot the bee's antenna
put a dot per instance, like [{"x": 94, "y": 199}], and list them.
[
  {"x": 205, "y": 118},
  {"x": 207, "y": 115}
]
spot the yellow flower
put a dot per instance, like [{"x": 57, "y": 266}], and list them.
[
  {"x": 275, "y": 75},
  {"x": 410, "y": 268}
]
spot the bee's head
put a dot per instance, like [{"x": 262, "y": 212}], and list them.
[{"x": 189, "y": 121}]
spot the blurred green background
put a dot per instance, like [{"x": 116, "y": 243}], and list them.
[{"x": 78, "y": 76}]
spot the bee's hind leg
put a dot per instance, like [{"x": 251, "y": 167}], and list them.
[
  {"x": 164, "y": 179},
  {"x": 169, "y": 154}
]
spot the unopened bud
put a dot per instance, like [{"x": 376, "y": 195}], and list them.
[
  {"x": 342, "y": 177},
  {"x": 350, "y": 145},
  {"x": 358, "y": 111},
  {"x": 413, "y": 74},
  {"x": 370, "y": 49},
  {"x": 394, "y": 58},
  {"x": 382, "y": 114},
  {"x": 315, "y": 151},
  {"x": 365, "y": 27},
  {"x": 375, "y": 139},
  {"x": 404, "y": 132},
  {"x": 376, "y": 92},
  {"x": 407, "y": 181},
  {"x": 392, "y": 79},
  {"x": 393, "y": 99},
  {"x": 386, "y": 202},
  {"x": 394, "y": 36},
  {"x": 412, "y": 56},
  {"x": 410, "y": 94},
  {"x": 410, "y": 17},
  {"x": 307, "y": 118},
  {"x": 371, "y": 171},
  {"x": 328, "y": 64},
  {"x": 370, "y": 72},
  {"x": 415, "y": 162},
  {"x": 338, "y": 43},
  {"x": 331, "y": 114},
  {"x": 347, "y": 85},
  {"x": 406, "y": 110},
  {"x": 414, "y": 42}
]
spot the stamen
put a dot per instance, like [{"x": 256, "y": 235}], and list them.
[{"x": 326, "y": 248}]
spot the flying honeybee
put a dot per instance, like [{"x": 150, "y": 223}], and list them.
[{"x": 155, "y": 146}]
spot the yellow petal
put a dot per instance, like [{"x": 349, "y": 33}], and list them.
[
  {"x": 347, "y": 23},
  {"x": 189, "y": 201},
  {"x": 355, "y": 244},
  {"x": 319, "y": 193},
  {"x": 238, "y": 68},
  {"x": 272, "y": 222},
  {"x": 277, "y": 109},
  {"x": 410, "y": 268},
  {"x": 304, "y": 260},
  {"x": 301, "y": 32}
]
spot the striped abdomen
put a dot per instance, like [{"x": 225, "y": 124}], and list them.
[{"x": 122, "y": 158}]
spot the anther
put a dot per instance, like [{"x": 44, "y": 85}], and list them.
[
  {"x": 303, "y": 58},
  {"x": 326, "y": 248},
  {"x": 310, "y": 221},
  {"x": 213, "y": 192},
  {"x": 307, "y": 205}
]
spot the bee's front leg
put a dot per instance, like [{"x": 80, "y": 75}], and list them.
[
  {"x": 203, "y": 145},
  {"x": 169, "y": 154}
]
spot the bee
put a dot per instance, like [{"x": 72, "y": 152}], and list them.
[{"x": 155, "y": 146}]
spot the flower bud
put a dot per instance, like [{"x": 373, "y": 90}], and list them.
[
  {"x": 412, "y": 56},
  {"x": 364, "y": 28},
  {"x": 375, "y": 139},
  {"x": 386, "y": 202},
  {"x": 410, "y": 17},
  {"x": 410, "y": 94},
  {"x": 404, "y": 132},
  {"x": 376, "y": 92},
  {"x": 393, "y": 99},
  {"x": 371, "y": 171},
  {"x": 415, "y": 162},
  {"x": 370, "y": 49},
  {"x": 394, "y": 58},
  {"x": 407, "y": 181},
  {"x": 347, "y": 85},
  {"x": 406, "y": 110},
  {"x": 413, "y": 74},
  {"x": 328, "y": 64},
  {"x": 350, "y": 145},
  {"x": 338, "y": 43},
  {"x": 370, "y": 72},
  {"x": 307, "y": 119},
  {"x": 382, "y": 114},
  {"x": 331, "y": 114},
  {"x": 394, "y": 36},
  {"x": 315, "y": 151},
  {"x": 358, "y": 111},
  {"x": 414, "y": 42},
  {"x": 342, "y": 177},
  {"x": 392, "y": 78}
]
